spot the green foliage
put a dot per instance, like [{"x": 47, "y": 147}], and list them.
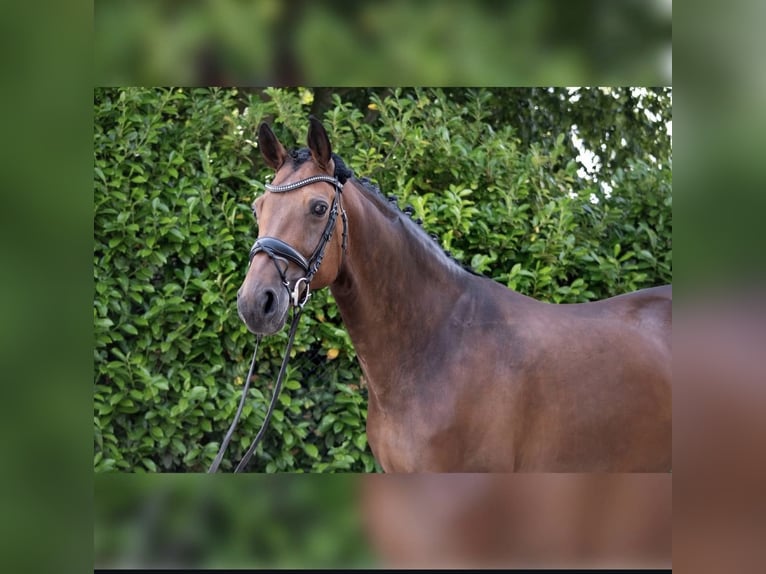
[
  {"x": 176, "y": 170},
  {"x": 434, "y": 42}
]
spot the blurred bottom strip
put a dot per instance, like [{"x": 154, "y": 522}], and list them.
[
  {"x": 346, "y": 521},
  {"x": 520, "y": 521}
]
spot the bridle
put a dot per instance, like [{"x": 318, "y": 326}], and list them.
[
  {"x": 278, "y": 250},
  {"x": 282, "y": 252}
]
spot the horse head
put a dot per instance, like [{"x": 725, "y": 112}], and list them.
[{"x": 299, "y": 246}]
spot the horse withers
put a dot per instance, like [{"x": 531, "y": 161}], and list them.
[{"x": 463, "y": 373}]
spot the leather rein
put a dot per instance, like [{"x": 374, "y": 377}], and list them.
[{"x": 281, "y": 252}]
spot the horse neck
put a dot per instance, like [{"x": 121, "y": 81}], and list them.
[{"x": 394, "y": 287}]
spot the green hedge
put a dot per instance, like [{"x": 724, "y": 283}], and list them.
[{"x": 175, "y": 173}]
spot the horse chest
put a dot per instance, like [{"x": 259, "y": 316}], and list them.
[
  {"x": 396, "y": 441},
  {"x": 418, "y": 432}
]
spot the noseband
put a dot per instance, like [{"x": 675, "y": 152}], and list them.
[{"x": 279, "y": 251}]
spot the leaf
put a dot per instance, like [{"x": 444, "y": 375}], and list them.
[
  {"x": 161, "y": 384},
  {"x": 208, "y": 298},
  {"x": 103, "y": 323},
  {"x": 191, "y": 455},
  {"x": 177, "y": 234},
  {"x": 326, "y": 423},
  {"x": 350, "y": 420},
  {"x": 311, "y": 450},
  {"x": 197, "y": 393},
  {"x": 130, "y": 329},
  {"x": 646, "y": 255},
  {"x": 178, "y": 446}
]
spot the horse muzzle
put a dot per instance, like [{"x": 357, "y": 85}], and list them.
[{"x": 263, "y": 309}]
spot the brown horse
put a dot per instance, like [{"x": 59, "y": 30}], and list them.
[{"x": 463, "y": 373}]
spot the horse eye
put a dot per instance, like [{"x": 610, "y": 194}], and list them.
[{"x": 319, "y": 209}]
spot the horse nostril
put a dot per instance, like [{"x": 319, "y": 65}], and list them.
[{"x": 268, "y": 304}]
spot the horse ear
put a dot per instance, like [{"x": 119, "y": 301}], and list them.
[
  {"x": 271, "y": 149},
  {"x": 319, "y": 143}
]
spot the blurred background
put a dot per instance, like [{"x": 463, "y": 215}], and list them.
[
  {"x": 460, "y": 520},
  {"x": 432, "y": 42}
]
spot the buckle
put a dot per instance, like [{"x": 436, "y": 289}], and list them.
[{"x": 300, "y": 293}]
